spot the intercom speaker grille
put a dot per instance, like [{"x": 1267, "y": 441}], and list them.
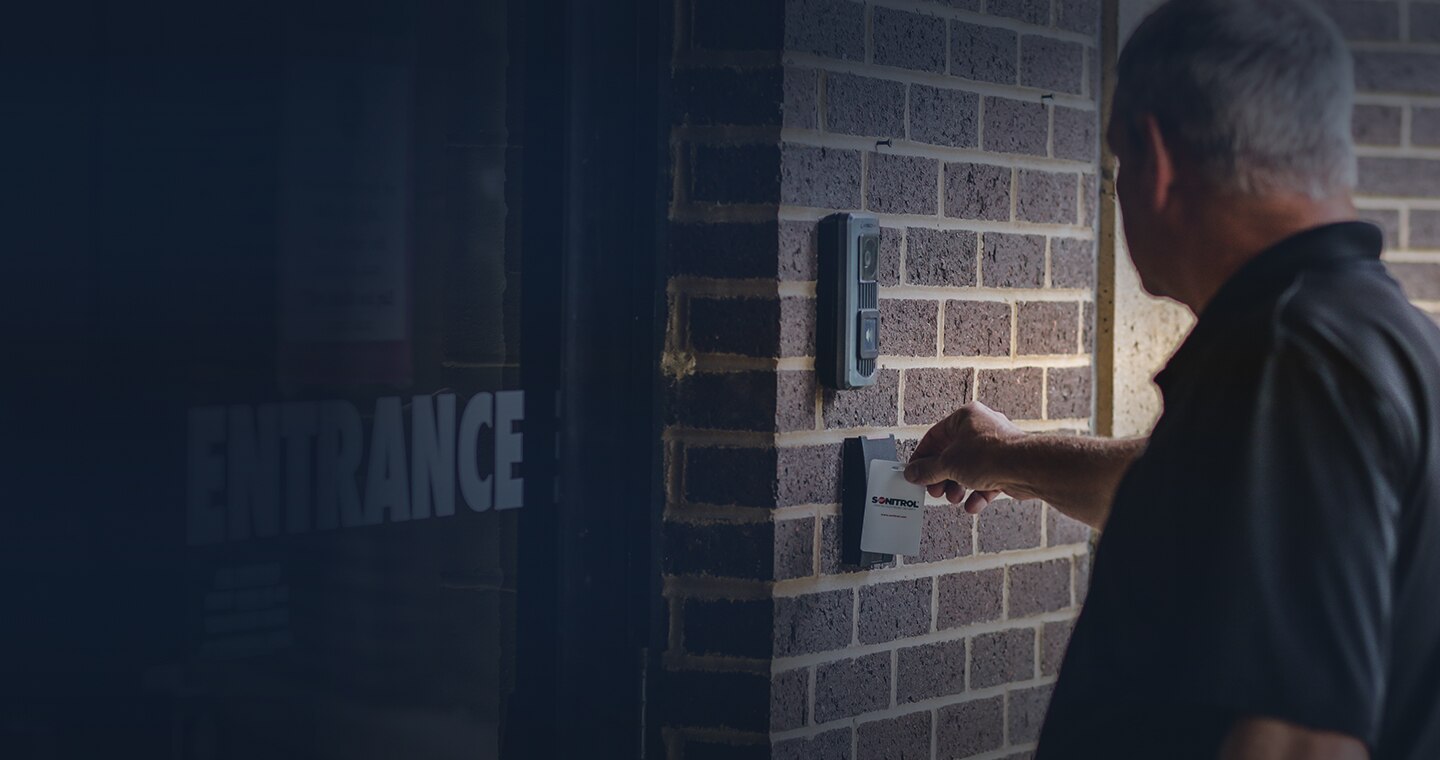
[
  {"x": 869, "y": 295},
  {"x": 865, "y": 367}
]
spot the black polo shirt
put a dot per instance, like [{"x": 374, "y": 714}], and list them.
[{"x": 1276, "y": 551}]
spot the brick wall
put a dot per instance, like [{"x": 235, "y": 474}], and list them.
[
  {"x": 1397, "y": 131},
  {"x": 971, "y": 131}
]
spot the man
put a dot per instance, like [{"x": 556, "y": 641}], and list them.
[{"x": 1267, "y": 582}]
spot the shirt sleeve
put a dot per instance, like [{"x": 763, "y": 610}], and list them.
[{"x": 1283, "y": 552}]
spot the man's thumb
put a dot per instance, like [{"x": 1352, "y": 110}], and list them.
[{"x": 926, "y": 471}]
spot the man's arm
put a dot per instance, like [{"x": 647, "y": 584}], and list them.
[
  {"x": 979, "y": 450},
  {"x": 1271, "y": 739}
]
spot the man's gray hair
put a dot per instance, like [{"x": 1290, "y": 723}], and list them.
[{"x": 1256, "y": 94}]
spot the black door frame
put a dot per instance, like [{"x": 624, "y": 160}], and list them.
[{"x": 590, "y": 622}]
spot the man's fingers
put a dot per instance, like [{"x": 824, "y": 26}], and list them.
[
  {"x": 954, "y": 492},
  {"x": 979, "y": 500},
  {"x": 936, "y": 489},
  {"x": 926, "y": 471}
]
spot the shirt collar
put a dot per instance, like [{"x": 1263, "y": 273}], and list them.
[{"x": 1273, "y": 269}]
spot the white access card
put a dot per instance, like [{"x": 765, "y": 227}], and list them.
[{"x": 894, "y": 511}]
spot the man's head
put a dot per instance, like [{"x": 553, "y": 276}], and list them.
[{"x": 1231, "y": 102}]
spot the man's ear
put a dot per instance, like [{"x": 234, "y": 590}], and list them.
[{"x": 1159, "y": 163}]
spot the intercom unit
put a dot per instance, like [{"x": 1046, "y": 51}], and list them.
[{"x": 847, "y": 327}]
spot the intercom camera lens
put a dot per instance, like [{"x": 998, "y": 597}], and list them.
[{"x": 869, "y": 258}]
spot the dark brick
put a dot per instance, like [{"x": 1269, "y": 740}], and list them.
[
  {"x": 1376, "y": 125},
  {"x": 972, "y": 597},
  {"x": 802, "y": 98},
  {"x": 908, "y": 327},
  {"x": 1092, "y": 68},
  {"x": 797, "y": 250},
  {"x": 1002, "y": 657},
  {"x": 890, "y": 239},
  {"x": 942, "y": 116},
  {"x": 1068, "y": 393},
  {"x": 726, "y": 249},
  {"x": 1008, "y": 524},
  {"x": 929, "y": 671},
  {"x": 1424, "y": 228},
  {"x": 830, "y": 546},
  {"x": 983, "y": 53},
  {"x": 1051, "y": 65},
  {"x": 832, "y": 28},
  {"x": 730, "y": 475},
  {"x": 1013, "y": 261},
  {"x": 1424, "y": 22},
  {"x": 1365, "y": 19},
  {"x": 908, "y": 40},
  {"x": 813, "y": 622},
  {"x": 940, "y": 257},
  {"x": 1047, "y": 327},
  {"x": 906, "y": 737},
  {"x": 749, "y": 401},
  {"x": 1016, "y": 126},
  {"x": 856, "y": 105},
  {"x": 735, "y": 174},
  {"x": 717, "y": 700},
  {"x": 790, "y": 699},
  {"x": 1027, "y": 712},
  {"x": 1014, "y": 393},
  {"x": 946, "y": 532},
  {"x": 970, "y": 728},
  {"x": 977, "y": 191},
  {"x": 1087, "y": 327},
  {"x": 1425, "y": 126},
  {"x": 795, "y": 400},
  {"x": 820, "y": 177},
  {"x": 848, "y": 688},
  {"x": 722, "y": 550},
  {"x": 876, "y": 405},
  {"x": 1037, "y": 587},
  {"x": 1054, "y": 637},
  {"x": 1420, "y": 281},
  {"x": 729, "y": 96},
  {"x": 726, "y": 627},
  {"x": 1077, "y": 134},
  {"x": 1082, "y": 578},
  {"x": 1388, "y": 220},
  {"x": 737, "y": 24},
  {"x": 977, "y": 328},
  {"x": 831, "y": 745},
  {"x": 794, "y": 548},
  {"x": 746, "y": 326},
  {"x": 1047, "y": 197},
  {"x": 812, "y": 474},
  {"x": 931, "y": 394},
  {"x": 1404, "y": 72},
  {"x": 1029, "y": 11},
  {"x": 895, "y": 610},
  {"x": 1081, "y": 16},
  {"x": 902, "y": 184},
  {"x": 797, "y": 326},
  {"x": 1072, "y": 263}
]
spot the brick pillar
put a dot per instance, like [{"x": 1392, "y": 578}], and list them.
[{"x": 974, "y": 138}]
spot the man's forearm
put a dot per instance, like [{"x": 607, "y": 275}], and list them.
[{"x": 1076, "y": 474}]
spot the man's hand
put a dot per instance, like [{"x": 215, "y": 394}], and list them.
[
  {"x": 977, "y": 449},
  {"x": 964, "y": 452}
]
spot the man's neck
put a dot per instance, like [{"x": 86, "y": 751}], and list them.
[{"x": 1237, "y": 229}]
